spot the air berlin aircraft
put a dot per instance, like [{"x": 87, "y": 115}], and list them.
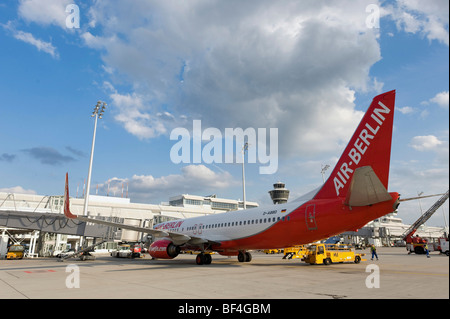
[{"x": 354, "y": 194}]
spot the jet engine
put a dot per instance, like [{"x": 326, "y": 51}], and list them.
[{"x": 164, "y": 249}]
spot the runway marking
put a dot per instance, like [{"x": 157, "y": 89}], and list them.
[{"x": 39, "y": 271}]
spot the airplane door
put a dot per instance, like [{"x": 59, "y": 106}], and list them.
[{"x": 310, "y": 217}]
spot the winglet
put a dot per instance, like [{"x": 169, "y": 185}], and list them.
[{"x": 66, "y": 200}]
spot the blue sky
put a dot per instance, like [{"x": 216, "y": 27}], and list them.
[{"x": 309, "y": 69}]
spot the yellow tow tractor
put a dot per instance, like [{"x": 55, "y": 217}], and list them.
[
  {"x": 327, "y": 254},
  {"x": 298, "y": 251},
  {"x": 15, "y": 251},
  {"x": 272, "y": 251}
]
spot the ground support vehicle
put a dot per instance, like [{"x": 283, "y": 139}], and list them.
[
  {"x": 66, "y": 253},
  {"x": 15, "y": 251},
  {"x": 443, "y": 246},
  {"x": 328, "y": 254},
  {"x": 272, "y": 251},
  {"x": 122, "y": 251},
  {"x": 127, "y": 251},
  {"x": 294, "y": 252},
  {"x": 416, "y": 244},
  {"x": 83, "y": 254}
]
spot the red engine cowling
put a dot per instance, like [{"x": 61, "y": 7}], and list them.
[{"x": 164, "y": 249}]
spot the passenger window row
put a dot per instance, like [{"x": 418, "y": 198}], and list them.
[{"x": 240, "y": 223}]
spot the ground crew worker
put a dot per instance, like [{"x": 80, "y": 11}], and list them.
[
  {"x": 373, "y": 249},
  {"x": 426, "y": 250}
]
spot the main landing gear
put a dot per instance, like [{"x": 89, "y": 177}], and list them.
[
  {"x": 244, "y": 256},
  {"x": 203, "y": 259}
]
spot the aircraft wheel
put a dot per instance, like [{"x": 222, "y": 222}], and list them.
[
  {"x": 199, "y": 259},
  {"x": 207, "y": 259},
  {"x": 241, "y": 257},
  {"x": 248, "y": 257},
  {"x": 203, "y": 259}
]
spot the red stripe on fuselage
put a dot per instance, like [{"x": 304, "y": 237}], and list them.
[{"x": 331, "y": 218}]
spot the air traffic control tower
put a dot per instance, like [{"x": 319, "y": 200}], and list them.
[{"x": 279, "y": 194}]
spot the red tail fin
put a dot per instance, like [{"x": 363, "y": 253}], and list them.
[
  {"x": 370, "y": 145},
  {"x": 66, "y": 200}
]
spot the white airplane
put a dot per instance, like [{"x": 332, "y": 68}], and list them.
[{"x": 354, "y": 194}]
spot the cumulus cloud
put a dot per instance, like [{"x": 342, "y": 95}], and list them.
[
  {"x": 138, "y": 116},
  {"x": 17, "y": 190},
  {"x": 430, "y": 20},
  {"x": 193, "y": 179},
  {"x": 425, "y": 143},
  {"x": 234, "y": 64},
  {"x": 441, "y": 99},
  {"x": 44, "y": 12},
  {"x": 406, "y": 109}
]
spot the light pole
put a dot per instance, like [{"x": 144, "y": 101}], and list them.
[
  {"x": 99, "y": 108},
  {"x": 244, "y": 148},
  {"x": 324, "y": 168},
  {"x": 420, "y": 205}
]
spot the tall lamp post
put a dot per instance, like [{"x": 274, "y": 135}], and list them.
[
  {"x": 99, "y": 109},
  {"x": 420, "y": 205},
  {"x": 244, "y": 148},
  {"x": 324, "y": 168}
]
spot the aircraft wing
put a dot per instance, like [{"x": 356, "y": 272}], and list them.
[
  {"x": 419, "y": 197},
  {"x": 177, "y": 238}
]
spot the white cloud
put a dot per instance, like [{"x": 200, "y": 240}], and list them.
[
  {"x": 46, "y": 47},
  {"x": 430, "y": 20},
  {"x": 441, "y": 99},
  {"x": 137, "y": 115},
  {"x": 29, "y": 38},
  {"x": 134, "y": 120},
  {"x": 234, "y": 64},
  {"x": 44, "y": 12},
  {"x": 425, "y": 143},
  {"x": 17, "y": 190},
  {"x": 193, "y": 179},
  {"x": 406, "y": 109}
]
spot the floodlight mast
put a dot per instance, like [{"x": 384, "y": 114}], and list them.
[
  {"x": 244, "y": 148},
  {"x": 99, "y": 109},
  {"x": 324, "y": 168}
]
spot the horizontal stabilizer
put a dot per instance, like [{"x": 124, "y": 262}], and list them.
[{"x": 366, "y": 188}]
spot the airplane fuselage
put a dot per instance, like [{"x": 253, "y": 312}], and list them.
[{"x": 279, "y": 226}]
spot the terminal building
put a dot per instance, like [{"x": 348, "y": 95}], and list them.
[
  {"x": 211, "y": 202},
  {"x": 116, "y": 209}
]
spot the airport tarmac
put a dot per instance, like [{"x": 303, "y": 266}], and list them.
[{"x": 396, "y": 275}]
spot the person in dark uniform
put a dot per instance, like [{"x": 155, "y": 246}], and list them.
[{"x": 373, "y": 249}]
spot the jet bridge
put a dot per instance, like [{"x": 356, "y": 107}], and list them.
[{"x": 52, "y": 223}]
